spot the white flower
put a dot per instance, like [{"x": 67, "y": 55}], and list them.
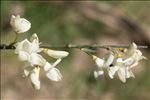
[
  {"x": 54, "y": 74},
  {"x": 28, "y": 51},
  {"x": 20, "y": 25},
  {"x": 51, "y": 72},
  {"x": 123, "y": 67},
  {"x": 31, "y": 46},
  {"x": 114, "y": 64},
  {"x": 55, "y": 53},
  {"x": 33, "y": 72},
  {"x": 133, "y": 56},
  {"x": 122, "y": 70}
]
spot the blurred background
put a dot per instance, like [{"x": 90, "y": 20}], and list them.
[{"x": 99, "y": 22}]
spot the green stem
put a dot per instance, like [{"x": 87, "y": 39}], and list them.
[
  {"x": 69, "y": 46},
  {"x": 88, "y": 46},
  {"x": 15, "y": 40}
]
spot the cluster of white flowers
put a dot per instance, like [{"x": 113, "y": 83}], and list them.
[
  {"x": 113, "y": 64},
  {"x": 28, "y": 50}
]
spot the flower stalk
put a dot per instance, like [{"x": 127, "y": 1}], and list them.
[{"x": 68, "y": 46}]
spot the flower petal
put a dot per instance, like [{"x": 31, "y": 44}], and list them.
[
  {"x": 112, "y": 71},
  {"x": 131, "y": 50},
  {"x": 35, "y": 46},
  {"x": 36, "y": 59},
  {"x": 28, "y": 70},
  {"x": 95, "y": 74},
  {"x": 129, "y": 61},
  {"x": 131, "y": 74},
  {"x": 98, "y": 73},
  {"x": 23, "y": 25},
  {"x": 139, "y": 55},
  {"x": 99, "y": 62},
  {"x": 35, "y": 78},
  {"x": 26, "y": 46},
  {"x": 47, "y": 66},
  {"x": 133, "y": 65},
  {"x": 122, "y": 74},
  {"x": 54, "y": 74},
  {"x": 109, "y": 59},
  {"x": 34, "y": 37},
  {"x": 23, "y": 56},
  {"x": 12, "y": 20},
  {"x": 19, "y": 46},
  {"x": 35, "y": 43}
]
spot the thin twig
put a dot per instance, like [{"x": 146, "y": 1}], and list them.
[{"x": 4, "y": 46}]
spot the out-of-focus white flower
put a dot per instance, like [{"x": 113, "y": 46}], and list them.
[
  {"x": 55, "y": 53},
  {"x": 133, "y": 56},
  {"x": 20, "y": 25},
  {"x": 123, "y": 67},
  {"x": 104, "y": 63}
]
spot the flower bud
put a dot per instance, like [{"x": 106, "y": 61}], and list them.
[
  {"x": 56, "y": 54},
  {"x": 20, "y": 25}
]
